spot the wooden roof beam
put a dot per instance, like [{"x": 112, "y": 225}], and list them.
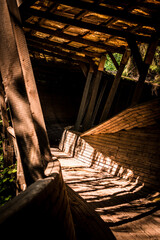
[
  {"x": 48, "y": 43},
  {"x": 75, "y": 38},
  {"x": 144, "y": 70},
  {"x": 23, "y": 4},
  {"x": 89, "y": 26},
  {"x": 58, "y": 53},
  {"x": 121, "y": 14}
]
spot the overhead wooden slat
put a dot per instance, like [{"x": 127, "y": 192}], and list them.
[
  {"x": 79, "y": 39},
  {"x": 46, "y": 43},
  {"x": 59, "y": 53},
  {"x": 121, "y": 14},
  {"x": 93, "y": 27},
  {"x": 58, "y": 49}
]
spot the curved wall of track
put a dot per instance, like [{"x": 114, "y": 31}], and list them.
[{"x": 127, "y": 145}]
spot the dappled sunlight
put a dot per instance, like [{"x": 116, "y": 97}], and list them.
[
  {"x": 109, "y": 184},
  {"x": 86, "y": 153},
  {"x": 117, "y": 200},
  {"x": 68, "y": 142}
]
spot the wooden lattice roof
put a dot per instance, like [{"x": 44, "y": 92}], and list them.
[{"x": 86, "y": 30}]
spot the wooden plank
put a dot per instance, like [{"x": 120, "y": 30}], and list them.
[
  {"x": 87, "y": 25},
  {"x": 88, "y": 117},
  {"x": 35, "y": 41},
  {"x": 73, "y": 38},
  {"x": 20, "y": 183},
  {"x": 136, "y": 54},
  {"x": 55, "y": 52},
  {"x": 134, "y": 115},
  {"x": 114, "y": 86},
  {"x": 89, "y": 225},
  {"x": 7, "y": 145},
  {"x": 21, "y": 91},
  {"x": 23, "y": 4},
  {"x": 120, "y": 14},
  {"x": 84, "y": 98},
  {"x": 98, "y": 102},
  {"x": 30, "y": 83},
  {"x": 84, "y": 69},
  {"x": 113, "y": 60}
]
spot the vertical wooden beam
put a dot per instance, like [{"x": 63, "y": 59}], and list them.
[
  {"x": 9, "y": 142},
  {"x": 7, "y": 145},
  {"x": 88, "y": 117},
  {"x": 21, "y": 183},
  {"x": 99, "y": 102},
  {"x": 30, "y": 83},
  {"x": 84, "y": 68},
  {"x": 136, "y": 54},
  {"x": 143, "y": 70},
  {"x": 21, "y": 91},
  {"x": 84, "y": 99},
  {"x": 114, "y": 87}
]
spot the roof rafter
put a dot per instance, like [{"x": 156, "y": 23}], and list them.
[
  {"x": 121, "y": 14},
  {"x": 86, "y": 25},
  {"x": 55, "y": 52},
  {"x": 47, "y": 42},
  {"x": 74, "y": 38}
]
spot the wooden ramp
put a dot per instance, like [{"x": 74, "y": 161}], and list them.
[{"x": 128, "y": 208}]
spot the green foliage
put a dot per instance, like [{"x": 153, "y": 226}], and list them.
[
  {"x": 7, "y": 179},
  {"x": 109, "y": 66},
  {"x": 131, "y": 68}
]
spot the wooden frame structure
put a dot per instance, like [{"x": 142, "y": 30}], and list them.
[
  {"x": 22, "y": 96},
  {"x": 83, "y": 32}
]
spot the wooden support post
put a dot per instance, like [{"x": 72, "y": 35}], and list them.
[
  {"x": 143, "y": 66},
  {"x": 84, "y": 98},
  {"x": 88, "y": 117},
  {"x": 84, "y": 68},
  {"x": 136, "y": 54},
  {"x": 21, "y": 183},
  {"x": 114, "y": 87},
  {"x": 7, "y": 145},
  {"x": 99, "y": 102},
  {"x": 21, "y": 91}
]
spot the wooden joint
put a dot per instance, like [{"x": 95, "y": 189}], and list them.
[
  {"x": 101, "y": 64},
  {"x": 125, "y": 57}
]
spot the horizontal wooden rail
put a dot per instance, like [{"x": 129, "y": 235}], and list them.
[{"x": 42, "y": 210}]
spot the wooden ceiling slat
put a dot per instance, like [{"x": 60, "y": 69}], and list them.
[
  {"x": 37, "y": 40},
  {"x": 89, "y": 26},
  {"x": 74, "y": 38},
  {"x": 121, "y": 14},
  {"x": 58, "y": 53}
]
